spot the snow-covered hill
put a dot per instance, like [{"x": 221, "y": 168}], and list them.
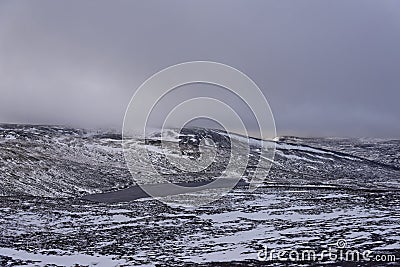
[
  {"x": 317, "y": 192},
  {"x": 53, "y": 161}
]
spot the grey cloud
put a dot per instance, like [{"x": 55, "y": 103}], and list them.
[{"x": 327, "y": 68}]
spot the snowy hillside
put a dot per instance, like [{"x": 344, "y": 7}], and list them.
[{"x": 60, "y": 162}]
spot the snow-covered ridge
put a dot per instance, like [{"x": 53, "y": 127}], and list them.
[{"x": 55, "y": 161}]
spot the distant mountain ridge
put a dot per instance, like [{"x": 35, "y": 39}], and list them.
[{"x": 56, "y": 161}]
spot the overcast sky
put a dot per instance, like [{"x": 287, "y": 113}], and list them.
[{"x": 327, "y": 68}]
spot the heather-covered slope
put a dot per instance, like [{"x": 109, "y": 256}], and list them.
[{"x": 54, "y": 161}]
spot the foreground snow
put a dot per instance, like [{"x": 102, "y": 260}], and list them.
[{"x": 233, "y": 229}]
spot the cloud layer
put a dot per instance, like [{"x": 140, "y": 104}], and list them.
[{"x": 327, "y": 68}]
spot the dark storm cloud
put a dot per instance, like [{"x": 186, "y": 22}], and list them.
[{"x": 326, "y": 67}]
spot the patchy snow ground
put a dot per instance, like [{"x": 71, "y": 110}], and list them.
[
  {"x": 47, "y": 231},
  {"x": 317, "y": 192}
]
